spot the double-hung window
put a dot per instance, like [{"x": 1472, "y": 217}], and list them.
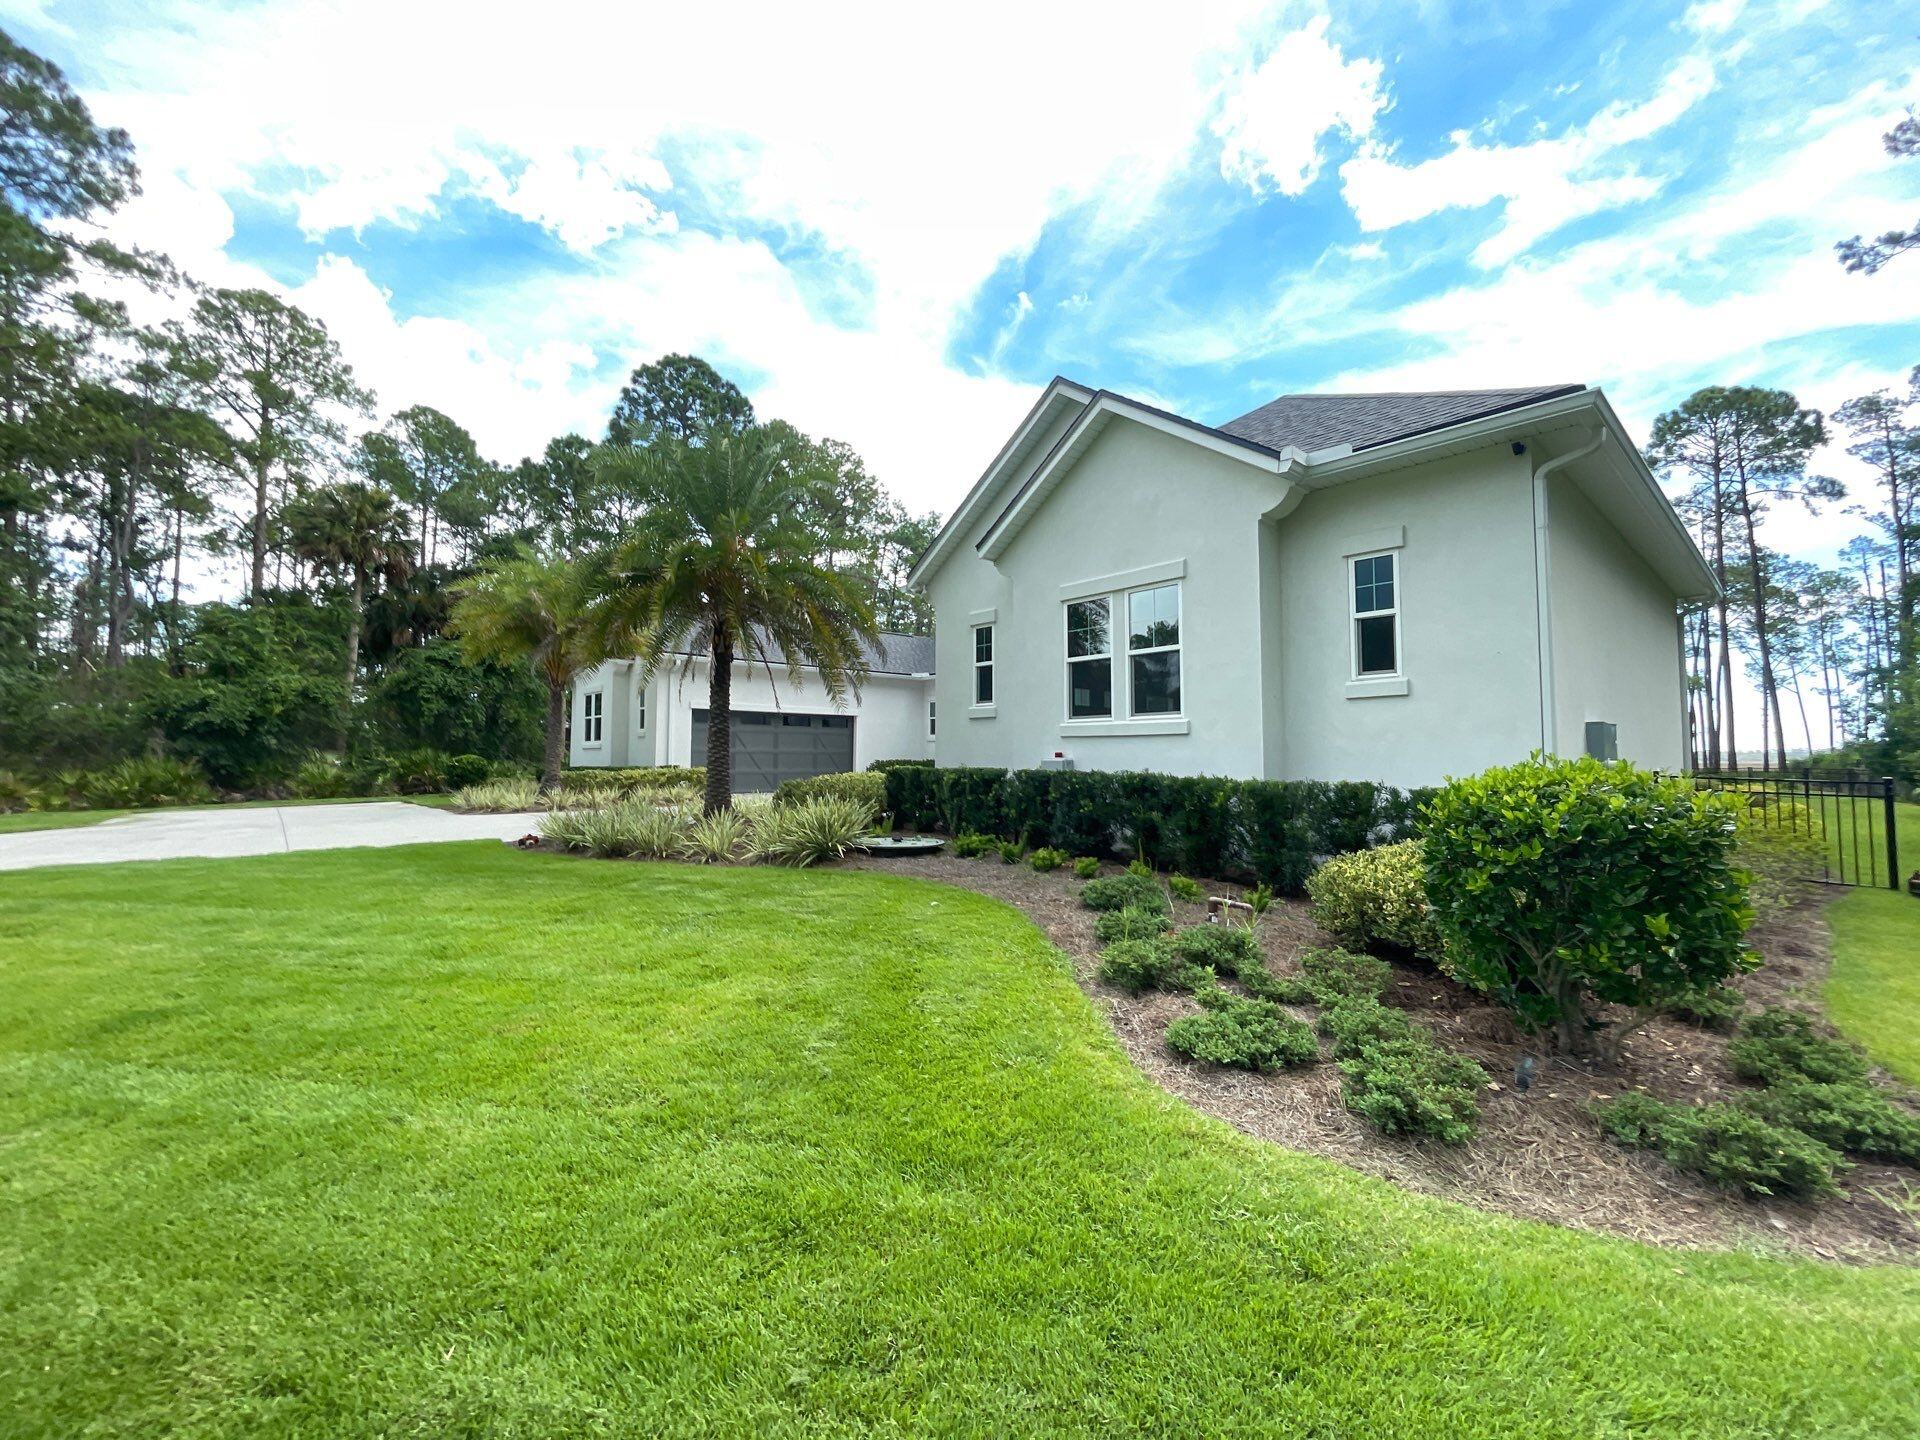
[
  {"x": 590, "y": 717},
  {"x": 1376, "y": 616},
  {"x": 983, "y": 664},
  {"x": 1148, "y": 684},
  {"x": 1090, "y": 659},
  {"x": 931, "y": 727}
]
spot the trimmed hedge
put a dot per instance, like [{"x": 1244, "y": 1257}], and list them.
[
  {"x": 869, "y": 790},
  {"x": 1272, "y": 831},
  {"x": 881, "y": 767}
]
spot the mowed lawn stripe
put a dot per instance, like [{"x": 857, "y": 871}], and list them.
[{"x": 454, "y": 1140}]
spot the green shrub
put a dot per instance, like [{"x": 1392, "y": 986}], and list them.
[
  {"x": 1185, "y": 889},
  {"x": 1560, "y": 883},
  {"x": 1137, "y": 965},
  {"x": 881, "y": 767},
  {"x": 1355, "y": 1023},
  {"x": 969, "y": 847},
  {"x": 1717, "y": 1009},
  {"x": 1086, "y": 867},
  {"x": 1010, "y": 851},
  {"x": 14, "y": 792},
  {"x": 1263, "y": 984},
  {"x": 1413, "y": 1086},
  {"x": 868, "y": 789},
  {"x": 139, "y": 783},
  {"x": 1337, "y": 973},
  {"x": 464, "y": 770},
  {"x": 634, "y": 779},
  {"x": 321, "y": 777},
  {"x": 1260, "y": 898},
  {"x": 1140, "y": 870},
  {"x": 1123, "y": 892},
  {"x": 1132, "y": 923},
  {"x": 1247, "y": 1034},
  {"x": 1271, "y": 831},
  {"x": 414, "y": 772},
  {"x": 1045, "y": 859},
  {"x": 810, "y": 831},
  {"x": 1725, "y": 1145},
  {"x": 1846, "y": 1116},
  {"x": 1376, "y": 898},
  {"x": 1779, "y": 1047},
  {"x": 1224, "y": 949},
  {"x": 719, "y": 836}
]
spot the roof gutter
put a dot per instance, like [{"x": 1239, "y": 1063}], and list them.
[{"x": 1543, "y": 582}]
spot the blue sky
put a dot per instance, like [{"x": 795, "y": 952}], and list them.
[{"x": 893, "y": 226}]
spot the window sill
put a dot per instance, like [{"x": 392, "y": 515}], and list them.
[
  {"x": 981, "y": 712},
  {"x": 1374, "y": 689},
  {"x": 1170, "y": 726}
]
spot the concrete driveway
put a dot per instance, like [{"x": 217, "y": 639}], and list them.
[{"x": 217, "y": 831}]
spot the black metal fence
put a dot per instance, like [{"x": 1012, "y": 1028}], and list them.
[{"x": 1848, "y": 819}]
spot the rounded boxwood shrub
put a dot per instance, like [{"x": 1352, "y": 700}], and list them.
[
  {"x": 1045, "y": 859},
  {"x": 1376, "y": 897},
  {"x": 465, "y": 770},
  {"x": 1247, "y": 1034},
  {"x": 1124, "y": 892},
  {"x": 1560, "y": 884}
]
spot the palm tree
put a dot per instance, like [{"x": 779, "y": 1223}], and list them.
[
  {"x": 533, "y": 608},
  {"x": 720, "y": 564},
  {"x": 356, "y": 532}
]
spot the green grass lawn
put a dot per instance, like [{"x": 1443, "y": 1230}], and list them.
[
  {"x": 452, "y": 1140},
  {"x": 1874, "y": 991},
  {"x": 68, "y": 819}
]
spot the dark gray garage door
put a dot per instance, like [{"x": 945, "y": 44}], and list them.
[{"x": 769, "y": 747}]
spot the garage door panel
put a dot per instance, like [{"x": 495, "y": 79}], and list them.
[{"x": 769, "y": 748}]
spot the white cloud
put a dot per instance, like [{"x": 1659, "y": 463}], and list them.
[
  {"x": 1712, "y": 17},
  {"x": 1273, "y": 116},
  {"x": 1544, "y": 183}
]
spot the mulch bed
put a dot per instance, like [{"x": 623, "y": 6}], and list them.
[{"x": 1537, "y": 1154}]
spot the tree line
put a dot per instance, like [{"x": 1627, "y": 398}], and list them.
[{"x": 138, "y": 455}]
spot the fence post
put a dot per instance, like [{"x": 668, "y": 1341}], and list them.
[{"x": 1893, "y": 835}]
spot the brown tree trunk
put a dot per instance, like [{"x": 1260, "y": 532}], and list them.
[
  {"x": 556, "y": 738},
  {"x": 719, "y": 794},
  {"x": 353, "y": 655},
  {"x": 260, "y": 526}
]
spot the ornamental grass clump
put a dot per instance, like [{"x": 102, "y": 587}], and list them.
[
  {"x": 721, "y": 836},
  {"x": 811, "y": 831},
  {"x": 620, "y": 830},
  {"x": 1245, "y": 1034},
  {"x": 1559, "y": 886},
  {"x": 502, "y": 797}
]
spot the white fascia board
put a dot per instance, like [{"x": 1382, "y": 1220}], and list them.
[
  {"x": 993, "y": 478},
  {"x": 1074, "y": 443}
]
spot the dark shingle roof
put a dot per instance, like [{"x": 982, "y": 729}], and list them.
[
  {"x": 1318, "y": 422},
  {"x": 894, "y": 655}
]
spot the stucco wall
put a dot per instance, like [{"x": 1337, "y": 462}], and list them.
[
  {"x": 1467, "y": 624},
  {"x": 889, "y": 714},
  {"x": 1615, "y": 650},
  {"x": 1136, "y": 499}
]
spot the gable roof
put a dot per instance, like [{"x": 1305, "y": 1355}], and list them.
[{"x": 1320, "y": 422}]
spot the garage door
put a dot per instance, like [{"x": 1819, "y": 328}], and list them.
[{"x": 770, "y": 747}]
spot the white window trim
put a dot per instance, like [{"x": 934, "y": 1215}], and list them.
[
  {"x": 1375, "y": 682},
  {"x": 976, "y": 707},
  {"x": 593, "y": 719},
  {"x": 931, "y": 702},
  {"x": 1122, "y": 720}
]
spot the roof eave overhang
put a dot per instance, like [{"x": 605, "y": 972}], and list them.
[
  {"x": 1632, "y": 499},
  {"x": 1106, "y": 409},
  {"x": 1060, "y": 394}
]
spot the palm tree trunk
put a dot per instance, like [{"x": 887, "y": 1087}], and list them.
[
  {"x": 556, "y": 737},
  {"x": 720, "y": 725}
]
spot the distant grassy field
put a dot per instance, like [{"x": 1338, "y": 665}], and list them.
[{"x": 449, "y": 1140}]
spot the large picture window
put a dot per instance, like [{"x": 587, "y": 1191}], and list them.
[
  {"x": 1090, "y": 659},
  {"x": 590, "y": 717},
  {"x": 983, "y": 664},
  {"x": 1376, "y": 616},
  {"x": 1153, "y": 650}
]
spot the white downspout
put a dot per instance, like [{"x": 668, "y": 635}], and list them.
[{"x": 1543, "y": 586}]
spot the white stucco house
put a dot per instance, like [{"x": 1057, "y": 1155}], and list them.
[
  {"x": 1392, "y": 587},
  {"x": 781, "y": 730}
]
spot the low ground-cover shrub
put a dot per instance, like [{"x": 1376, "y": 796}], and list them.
[
  {"x": 1086, "y": 867},
  {"x": 1726, "y": 1145},
  {"x": 1267, "y": 830},
  {"x": 1132, "y": 923},
  {"x": 1144, "y": 964},
  {"x": 971, "y": 846},
  {"x": 321, "y": 777},
  {"x": 1375, "y": 898},
  {"x": 1123, "y": 892},
  {"x": 1186, "y": 889},
  {"x": 1335, "y": 974},
  {"x": 1846, "y": 1115},
  {"x": 15, "y": 792},
  {"x": 1224, "y": 949},
  {"x": 811, "y": 831},
  {"x": 1414, "y": 1087},
  {"x": 1045, "y": 859},
  {"x": 868, "y": 789},
  {"x": 1778, "y": 1047},
  {"x": 1558, "y": 885},
  {"x": 1247, "y": 1034},
  {"x": 1010, "y": 851},
  {"x": 1353, "y": 1023},
  {"x": 1717, "y": 1009}
]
